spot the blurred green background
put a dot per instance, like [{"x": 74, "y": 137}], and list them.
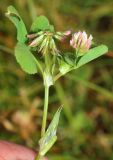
[{"x": 86, "y": 124}]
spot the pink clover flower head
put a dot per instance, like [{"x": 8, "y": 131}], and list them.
[{"x": 81, "y": 42}]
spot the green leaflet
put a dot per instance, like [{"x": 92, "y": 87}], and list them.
[
  {"x": 25, "y": 58},
  {"x": 14, "y": 16},
  {"x": 92, "y": 54},
  {"x": 47, "y": 141},
  {"x": 41, "y": 23}
]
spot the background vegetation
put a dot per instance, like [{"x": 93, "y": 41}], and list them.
[{"x": 86, "y": 124}]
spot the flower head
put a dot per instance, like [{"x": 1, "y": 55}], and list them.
[
  {"x": 81, "y": 42},
  {"x": 45, "y": 40}
]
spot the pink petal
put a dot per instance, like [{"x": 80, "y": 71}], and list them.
[{"x": 89, "y": 41}]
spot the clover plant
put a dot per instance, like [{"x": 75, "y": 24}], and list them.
[{"x": 37, "y": 52}]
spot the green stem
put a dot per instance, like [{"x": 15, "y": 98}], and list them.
[
  {"x": 39, "y": 157},
  {"x": 45, "y": 111},
  {"x": 57, "y": 77}
]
